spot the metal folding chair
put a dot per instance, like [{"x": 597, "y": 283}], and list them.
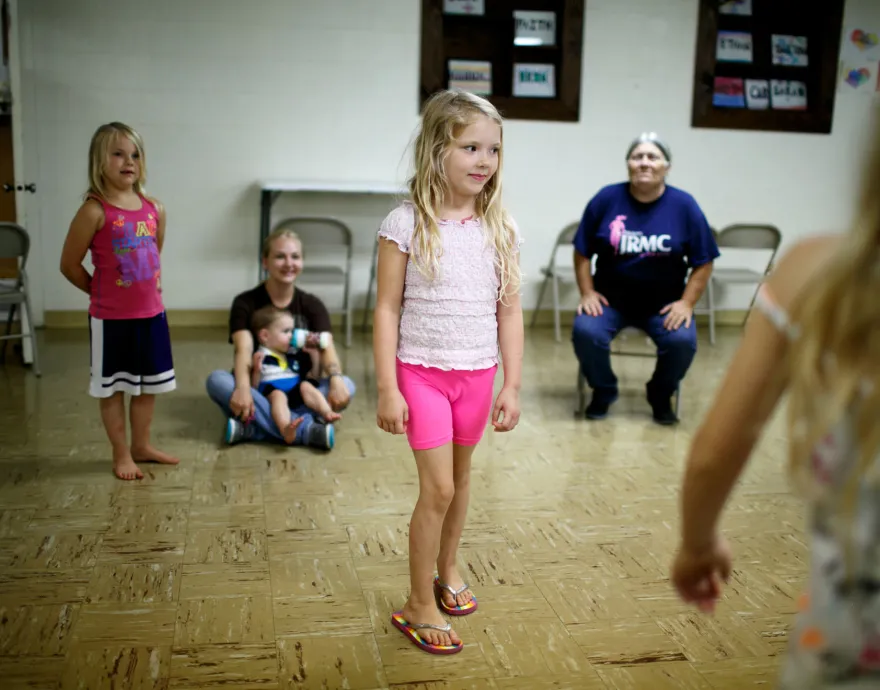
[
  {"x": 327, "y": 253},
  {"x": 15, "y": 244},
  {"x": 554, "y": 272}
]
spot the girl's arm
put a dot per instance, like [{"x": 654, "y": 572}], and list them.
[
  {"x": 85, "y": 224},
  {"x": 511, "y": 338},
  {"x": 160, "y": 224},
  {"x": 745, "y": 401},
  {"x": 390, "y": 276}
]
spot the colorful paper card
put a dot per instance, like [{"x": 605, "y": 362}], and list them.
[
  {"x": 734, "y": 46},
  {"x": 729, "y": 93},
  {"x": 860, "y": 44},
  {"x": 534, "y": 28},
  {"x": 534, "y": 80},
  {"x": 859, "y": 76},
  {"x": 471, "y": 75},
  {"x": 473, "y": 7},
  {"x": 789, "y": 50},
  {"x": 740, "y": 7}
]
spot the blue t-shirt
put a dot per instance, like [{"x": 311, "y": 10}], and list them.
[{"x": 643, "y": 250}]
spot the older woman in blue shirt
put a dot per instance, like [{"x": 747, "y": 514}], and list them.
[{"x": 646, "y": 236}]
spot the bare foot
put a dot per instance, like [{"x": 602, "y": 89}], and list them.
[
  {"x": 451, "y": 578},
  {"x": 289, "y": 433},
  {"x": 331, "y": 416},
  {"x": 151, "y": 454},
  {"x": 429, "y": 614},
  {"x": 124, "y": 467}
]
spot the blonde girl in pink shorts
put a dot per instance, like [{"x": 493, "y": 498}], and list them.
[{"x": 448, "y": 300}]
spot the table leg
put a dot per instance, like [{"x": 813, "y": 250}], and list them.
[{"x": 368, "y": 300}]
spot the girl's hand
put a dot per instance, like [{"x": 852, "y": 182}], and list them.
[
  {"x": 506, "y": 413},
  {"x": 698, "y": 576},
  {"x": 393, "y": 413}
]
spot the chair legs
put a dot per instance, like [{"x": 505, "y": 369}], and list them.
[
  {"x": 711, "y": 297},
  {"x": 581, "y": 408},
  {"x": 9, "y": 318},
  {"x": 556, "y": 326},
  {"x": 540, "y": 301}
]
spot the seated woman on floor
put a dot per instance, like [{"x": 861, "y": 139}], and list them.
[{"x": 248, "y": 412}]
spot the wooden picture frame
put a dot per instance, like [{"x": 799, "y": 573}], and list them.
[
  {"x": 489, "y": 37},
  {"x": 822, "y": 31}
]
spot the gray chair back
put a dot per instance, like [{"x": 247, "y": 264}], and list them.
[
  {"x": 747, "y": 236},
  {"x": 326, "y": 242},
  {"x": 14, "y": 242}
]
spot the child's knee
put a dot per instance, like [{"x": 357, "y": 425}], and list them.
[{"x": 438, "y": 495}]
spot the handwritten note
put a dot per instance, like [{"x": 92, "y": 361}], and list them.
[
  {"x": 534, "y": 81},
  {"x": 734, "y": 46},
  {"x": 789, "y": 50},
  {"x": 534, "y": 28},
  {"x": 788, "y": 95}
]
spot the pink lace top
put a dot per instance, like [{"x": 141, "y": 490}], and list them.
[{"x": 448, "y": 323}]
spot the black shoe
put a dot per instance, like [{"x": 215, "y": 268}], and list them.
[
  {"x": 661, "y": 407},
  {"x": 598, "y": 407},
  {"x": 320, "y": 435}
]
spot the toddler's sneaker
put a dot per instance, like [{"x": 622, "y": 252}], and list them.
[
  {"x": 234, "y": 431},
  {"x": 320, "y": 435}
]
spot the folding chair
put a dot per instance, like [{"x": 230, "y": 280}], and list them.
[
  {"x": 327, "y": 253},
  {"x": 15, "y": 244},
  {"x": 623, "y": 335},
  {"x": 554, "y": 272},
  {"x": 755, "y": 238}
]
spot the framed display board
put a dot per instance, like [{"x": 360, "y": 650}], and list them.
[
  {"x": 522, "y": 55},
  {"x": 766, "y": 65}
]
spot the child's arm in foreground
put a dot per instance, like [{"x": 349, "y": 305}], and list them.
[
  {"x": 746, "y": 399},
  {"x": 390, "y": 275},
  {"x": 509, "y": 315}
]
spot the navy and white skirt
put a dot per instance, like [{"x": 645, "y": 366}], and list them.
[{"x": 130, "y": 356}]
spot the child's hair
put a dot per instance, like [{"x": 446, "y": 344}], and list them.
[
  {"x": 277, "y": 234},
  {"x": 102, "y": 140},
  {"x": 444, "y": 116},
  {"x": 266, "y": 316},
  {"x": 835, "y": 359}
]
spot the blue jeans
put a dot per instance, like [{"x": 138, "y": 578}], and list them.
[
  {"x": 592, "y": 336},
  {"x": 221, "y": 384}
]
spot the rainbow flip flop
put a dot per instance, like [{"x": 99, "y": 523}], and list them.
[
  {"x": 411, "y": 630},
  {"x": 456, "y": 610}
]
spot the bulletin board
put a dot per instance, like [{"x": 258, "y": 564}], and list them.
[
  {"x": 766, "y": 65},
  {"x": 522, "y": 55}
]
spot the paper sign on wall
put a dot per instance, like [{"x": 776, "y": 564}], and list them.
[
  {"x": 534, "y": 28},
  {"x": 740, "y": 7},
  {"x": 859, "y": 76},
  {"x": 734, "y": 46},
  {"x": 860, "y": 44},
  {"x": 757, "y": 94},
  {"x": 788, "y": 95},
  {"x": 475, "y": 7},
  {"x": 471, "y": 75},
  {"x": 728, "y": 93},
  {"x": 534, "y": 81},
  {"x": 789, "y": 50}
]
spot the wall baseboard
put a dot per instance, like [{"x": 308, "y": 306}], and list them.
[{"x": 219, "y": 318}]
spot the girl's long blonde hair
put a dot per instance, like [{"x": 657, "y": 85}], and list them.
[
  {"x": 102, "y": 140},
  {"x": 444, "y": 116},
  {"x": 835, "y": 359}
]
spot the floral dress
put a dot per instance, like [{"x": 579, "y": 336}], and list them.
[{"x": 835, "y": 642}]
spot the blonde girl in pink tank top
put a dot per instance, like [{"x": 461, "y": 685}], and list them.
[
  {"x": 123, "y": 229},
  {"x": 447, "y": 302}
]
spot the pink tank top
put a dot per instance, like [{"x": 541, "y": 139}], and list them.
[{"x": 125, "y": 254}]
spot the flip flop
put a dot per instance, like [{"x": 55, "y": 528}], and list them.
[
  {"x": 456, "y": 610},
  {"x": 412, "y": 634}
]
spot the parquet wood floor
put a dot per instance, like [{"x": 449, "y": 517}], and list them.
[{"x": 264, "y": 567}]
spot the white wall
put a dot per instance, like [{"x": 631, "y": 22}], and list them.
[{"x": 327, "y": 90}]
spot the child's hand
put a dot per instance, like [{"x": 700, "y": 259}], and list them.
[
  {"x": 393, "y": 413},
  {"x": 698, "y": 576},
  {"x": 505, "y": 416}
]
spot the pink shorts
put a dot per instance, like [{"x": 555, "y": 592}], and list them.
[{"x": 445, "y": 405}]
